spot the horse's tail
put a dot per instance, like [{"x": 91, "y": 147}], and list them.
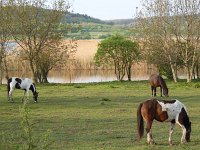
[{"x": 140, "y": 122}]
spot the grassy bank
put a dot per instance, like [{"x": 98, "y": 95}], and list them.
[{"x": 94, "y": 116}]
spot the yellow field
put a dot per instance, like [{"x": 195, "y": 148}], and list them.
[{"x": 86, "y": 49}]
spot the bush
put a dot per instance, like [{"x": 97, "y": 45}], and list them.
[{"x": 166, "y": 71}]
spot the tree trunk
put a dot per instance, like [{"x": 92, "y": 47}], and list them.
[
  {"x": 122, "y": 70},
  {"x": 189, "y": 74},
  {"x": 174, "y": 73},
  {"x": 174, "y": 70},
  {"x": 1, "y": 72},
  {"x": 45, "y": 80},
  {"x": 128, "y": 71},
  {"x": 197, "y": 71},
  {"x": 197, "y": 68},
  {"x": 44, "y": 76},
  {"x": 34, "y": 73},
  {"x": 6, "y": 69},
  {"x": 39, "y": 77},
  {"x": 190, "y": 69}
]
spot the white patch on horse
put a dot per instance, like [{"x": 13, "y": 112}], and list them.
[
  {"x": 173, "y": 109},
  {"x": 24, "y": 84}
]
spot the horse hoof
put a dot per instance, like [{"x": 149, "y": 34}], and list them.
[
  {"x": 151, "y": 143},
  {"x": 182, "y": 143}
]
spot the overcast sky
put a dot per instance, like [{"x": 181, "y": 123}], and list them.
[{"x": 106, "y": 9}]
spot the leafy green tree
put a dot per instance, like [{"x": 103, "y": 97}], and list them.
[{"x": 120, "y": 52}]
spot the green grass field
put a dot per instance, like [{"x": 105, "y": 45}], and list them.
[{"x": 94, "y": 116}]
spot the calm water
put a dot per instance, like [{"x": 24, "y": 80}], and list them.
[
  {"x": 85, "y": 76},
  {"x": 139, "y": 72}
]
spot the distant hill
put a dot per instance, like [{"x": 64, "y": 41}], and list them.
[
  {"x": 121, "y": 21},
  {"x": 86, "y": 27},
  {"x": 83, "y": 18}
]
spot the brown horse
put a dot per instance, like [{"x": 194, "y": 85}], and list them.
[
  {"x": 170, "y": 111},
  {"x": 158, "y": 81}
]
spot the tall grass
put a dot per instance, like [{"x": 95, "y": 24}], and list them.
[{"x": 26, "y": 138}]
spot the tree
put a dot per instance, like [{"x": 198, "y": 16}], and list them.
[
  {"x": 131, "y": 55},
  {"x": 4, "y": 38},
  {"x": 155, "y": 30},
  {"x": 36, "y": 28},
  {"x": 173, "y": 26},
  {"x": 54, "y": 56},
  {"x": 187, "y": 33},
  {"x": 120, "y": 52}
]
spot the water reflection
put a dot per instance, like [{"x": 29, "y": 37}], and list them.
[
  {"x": 85, "y": 76},
  {"x": 80, "y": 76},
  {"x": 140, "y": 72}
]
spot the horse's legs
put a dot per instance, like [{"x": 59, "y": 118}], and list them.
[
  {"x": 170, "y": 132},
  {"x": 152, "y": 89},
  {"x": 160, "y": 91},
  {"x": 183, "y": 134},
  {"x": 10, "y": 95},
  {"x": 25, "y": 95},
  {"x": 149, "y": 133}
]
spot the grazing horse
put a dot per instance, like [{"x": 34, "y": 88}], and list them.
[
  {"x": 164, "y": 111},
  {"x": 25, "y": 84},
  {"x": 158, "y": 81}
]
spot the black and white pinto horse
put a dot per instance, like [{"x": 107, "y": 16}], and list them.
[
  {"x": 164, "y": 111},
  {"x": 25, "y": 84}
]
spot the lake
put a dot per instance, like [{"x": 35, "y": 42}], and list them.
[
  {"x": 140, "y": 72},
  {"x": 87, "y": 76}
]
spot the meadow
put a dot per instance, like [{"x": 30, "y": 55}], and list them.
[{"x": 93, "y": 116}]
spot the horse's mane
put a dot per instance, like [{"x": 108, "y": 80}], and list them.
[{"x": 163, "y": 84}]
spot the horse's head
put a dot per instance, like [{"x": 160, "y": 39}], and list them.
[
  {"x": 188, "y": 131},
  {"x": 35, "y": 96},
  {"x": 165, "y": 92}
]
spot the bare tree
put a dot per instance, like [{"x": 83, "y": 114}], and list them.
[
  {"x": 172, "y": 27},
  {"x": 4, "y": 38},
  {"x": 188, "y": 34},
  {"x": 54, "y": 56},
  {"x": 36, "y": 27},
  {"x": 155, "y": 26}
]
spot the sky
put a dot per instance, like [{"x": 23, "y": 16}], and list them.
[{"x": 106, "y": 9}]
